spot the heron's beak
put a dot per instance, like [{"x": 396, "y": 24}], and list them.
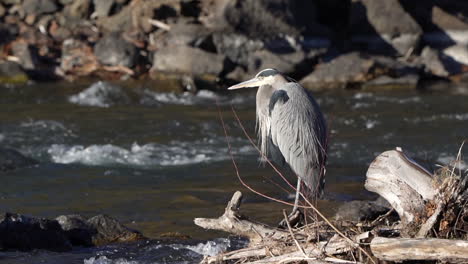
[{"x": 255, "y": 82}]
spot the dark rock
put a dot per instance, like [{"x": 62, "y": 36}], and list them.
[
  {"x": 8, "y": 32},
  {"x": 24, "y": 233},
  {"x": 384, "y": 27},
  {"x": 11, "y": 159},
  {"x": 263, "y": 18},
  {"x": 253, "y": 55},
  {"x": 363, "y": 210},
  {"x": 187, "y": 60},
  {"x": 109, "y": 230},
  {"x": 77, "y": 230},
  {"x": 39, "y": 7},
  {"x": 113, "y": 50},
  {"x": 354, "y": 69},
  {"x": 27, "y": 55},
  {"x": 11, "y": 72}
]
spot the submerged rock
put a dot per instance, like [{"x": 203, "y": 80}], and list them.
[
  {"x": 100, "y": 94},
  {"x": 11, "y": 159}
]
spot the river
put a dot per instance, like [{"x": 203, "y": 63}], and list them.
[{"x": 156, "y": 160}]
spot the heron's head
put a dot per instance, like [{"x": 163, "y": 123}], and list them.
[{"x": 264, "y": 77}]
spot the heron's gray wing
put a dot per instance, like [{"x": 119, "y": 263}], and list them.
[{"x": 298, "y": 129}]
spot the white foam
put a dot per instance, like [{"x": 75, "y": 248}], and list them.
[
  {"x": 457, "y": 117},
  {"x": 371, "y": 124},
  {"x": 187, "y": 98},
  {"x": 100, "y": 94},
  {"x": 172, "y": 154},
  {"x": 105, "y": 260},
  {"x": 210, "y": 248}
]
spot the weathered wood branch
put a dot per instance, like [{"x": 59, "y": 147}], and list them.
[
  {"x": 400, "y": 249},
  {"x": 402, "y": 182},
  {"x": 233, "y": 222},
  {"x": 271, "y": 253}
]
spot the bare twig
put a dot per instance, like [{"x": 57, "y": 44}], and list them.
[
  {"x": 159, "y": 24},
  {"x": 292, "y": 234}
]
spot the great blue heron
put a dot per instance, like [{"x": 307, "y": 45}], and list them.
[{"x": 290, "y": 128}]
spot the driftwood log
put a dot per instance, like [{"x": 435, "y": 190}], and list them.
[
  {"x": 428, "y": 205},
  {"x": 401, "y": 249}
]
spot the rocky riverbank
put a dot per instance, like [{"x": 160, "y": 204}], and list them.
[{"x": 190, "y": 43}]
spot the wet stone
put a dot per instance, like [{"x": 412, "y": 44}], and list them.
[{"x": 109, "y": 230}]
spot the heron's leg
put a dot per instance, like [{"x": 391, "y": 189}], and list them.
[{"x": 298, "y": 192}]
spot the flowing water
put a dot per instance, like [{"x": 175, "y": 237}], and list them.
[{"x": 156, "y": 160}]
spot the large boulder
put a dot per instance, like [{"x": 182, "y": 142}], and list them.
[
  {"x": 19, "y": 232},
  {"x": 383, "y": 27},
  {"x": 252, "y": 55},
  {"x": 114, "y": 50},
  {"x": 11, "y": 159},
  {"x": 354, "y": 69},
  {"x": 184, "y": 59},
  {"x": 38, "y": 7},
  {"x": 263, "y": 18}
]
